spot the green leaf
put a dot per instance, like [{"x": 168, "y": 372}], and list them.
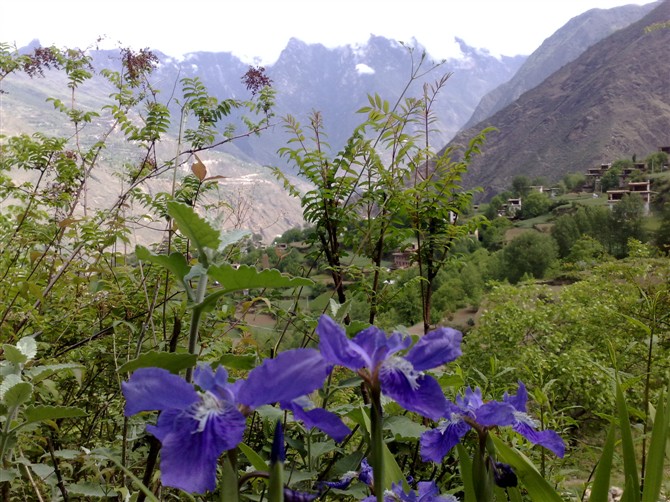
[
  {"x": 653, "y": 479},
  {"x": 175, "y": 263},
  {"x": 538, "y": 487},
  {"x": 254, "y": 458},
  {"x": 465, "y": 464},
  {"x": 229, "y": 481},
  {"x": 8, "y": 475},
  {"x": 15, "y": 394},
  {"x": 246, "y": 277},
  {"x": 601, "y": 479},
  {"x": 45, "y": 412},
  {"x": 403, "y": 428},
  {"x": 13, "y": 354},
  {"x": 195, "y": 228},
  {"x": 627, "y": 445},
  {"x": 231, "y": 237},
  {"x": 233, "y": 361},
  {"x": 27, "y": 346},
  {"x": 39, "y": 373},
  {"x": 171, "y": 361},
  {"x": 91, "y": 490}
]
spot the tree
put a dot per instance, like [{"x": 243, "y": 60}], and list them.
[
  {"x": 610, "y": 180},
  {"x": 530, "y": 253},
  {"x": 521, "y": 185},
  {"x": 534, "y": 204},
  {"x": 656, "y": 161},
  {"x": 573, "y": 181},
  {"x": 493, "y": 234},
  {"x": 626, "y": 223},
  {"x": 565, "y": 232}
]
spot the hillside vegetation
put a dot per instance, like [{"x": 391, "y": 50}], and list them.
[{"x": 290, "y": 372}]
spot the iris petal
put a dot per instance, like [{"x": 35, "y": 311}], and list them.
[
  {"x": 548, "y": 438},
  {"x": 373, "y": 343},
  {"x": 518, "y": 401},
  {"x": 291, "y": 374},
  {"x": 436, "y": 348},
  {"x": 436, "y": 443},
  {"x": 156, "y": 389},
  {"x": 189, "y": 455},
  {"x": 336, "y": 348},
  {"x": 423, "y": 395},
  {"x": 495, "y": 413},
  {"x": 328, "y": 422}
]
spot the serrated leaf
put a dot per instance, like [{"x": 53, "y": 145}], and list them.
[
  {"x": 15, "y": 394},
  {"x": 28, "y": 346},
  {"x": 8, "y": 475},
  {"x": 44, "y": 412},
  {"x": 246, "y": 277},
  {"x": 175, "y": 262},
  {"x": 39, "y": 373},
  {"x": 170, "y": 361},
  {"x": 194, "y": 227},
  {"x": 403, "y": 428},
  {"x": 44, "y": 471},
  {"x": 231, "y": 237},
  {"x": 91, "y": 490},
  {"x": 13, "y": 354}
]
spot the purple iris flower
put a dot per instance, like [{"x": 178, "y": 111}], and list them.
[
  {"x": 526, "y": 426},
  {"x": 426, "y": 492},
  {"x": 375, "y": 357},
  {"x": 470, "y": 411},
  {"x": 196, "y": 426}
]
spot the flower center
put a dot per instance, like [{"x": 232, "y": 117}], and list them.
[
  {"x": 208, "y": 406},
  {"x": 525, "y": 418},
  {"x": 397, "y": 364}
]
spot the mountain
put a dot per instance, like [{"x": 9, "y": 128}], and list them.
[
  {"x": 611, "y": 102},
  {"x": 564, "y": 46},
  {"x": 306, "y": 77},
  {"x": 337, "y": 81}
]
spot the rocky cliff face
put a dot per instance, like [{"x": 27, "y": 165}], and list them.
[
  {"x": 562, "y": 47},
  {"x": 611, "y": 102}
]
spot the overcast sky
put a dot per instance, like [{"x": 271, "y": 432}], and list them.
[{"x": 258, "y": 30}]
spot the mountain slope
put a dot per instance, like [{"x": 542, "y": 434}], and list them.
[
  {"x": 612, "y": 102},
  {"x": 559, "y": 49}
]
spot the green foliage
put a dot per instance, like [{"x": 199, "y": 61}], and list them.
[
  {"x": 530, "y": 253},
  {"x": 610, "y": 180},
  {"x": 534, "y": 204}
]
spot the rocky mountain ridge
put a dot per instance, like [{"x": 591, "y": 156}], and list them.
[{"x": 612, "y": 102}]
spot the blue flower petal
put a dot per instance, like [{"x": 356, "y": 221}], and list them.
[
  {"x": 437, "y": 347},
  {"x": 471, "y": 401},
  {"x": 519, "y": 401},
  {"x": 436, "y": 443},
  {"x": 191, "y": 445},
  {"x": 373, "y": 346},
  {"x": 336, "y": 348},
  {"x": 548, "y": 438},
  {"x": 495, "y": 413},
  {"x": 428, "y": 492},
  {"x": 328, "y": 422},
  {"x": 414, "y": 392},
  {"x": 156, "y": 389},
  {"x": 291, "y": 374}
]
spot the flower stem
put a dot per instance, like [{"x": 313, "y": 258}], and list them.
[
  {"x": 195, "y": 320},
  {"x": 377, "y": 440}
]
